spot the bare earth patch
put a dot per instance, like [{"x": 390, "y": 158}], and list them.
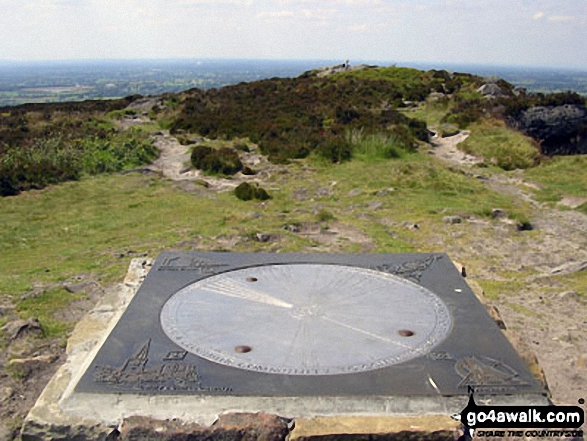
[
  {"x": 174, "y": 164},
  {"x": 446, "y": 148},
  {"x": 573, "y": 201}
]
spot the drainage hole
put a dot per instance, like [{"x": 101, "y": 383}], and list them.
[
  {"x": 242, "y": 349},
  {"x": 405, "y": 333}
]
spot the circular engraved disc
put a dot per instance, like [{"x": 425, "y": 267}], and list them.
[{"x": 306, "y": 319}]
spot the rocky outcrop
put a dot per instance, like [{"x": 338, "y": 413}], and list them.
[
  {"x": 18, "y": 328},
  {"x": 560, "y": 130},
  {"x": 491, "y": 90}
]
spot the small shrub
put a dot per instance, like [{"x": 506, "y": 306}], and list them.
[
  {"x": 335, "y": 150},
  {"x": 448, "y": 130},
  {"x": 560, "y": 99},
  {"x": 199, "y": 154},
  {"x": 222, "y": 161},
  {"x": 184, "y": 140},
  {"x": 125, "y": 150},
  {"x": 242, "y": 148},
  {"x": 324, "y": 215},
  {"x": 524, "y": 225},
  {"x": 47, "y": 162},
  {"x": 247, "y": 192},
  {"x": 261, "y": 194}
]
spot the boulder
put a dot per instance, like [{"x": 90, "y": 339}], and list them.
[
  {"x": 560, "y": 130},
  {"x": 491, "y": 90},
  {"x": 292, "y": 228},
  {"x": 374, "y": 205},
  {"x": 498, "y": 213},
  {"x": 385, "y": 191},
  {"x": 76, "y": 288},
  {"x": 262, "y": 237},
  {"x": 452, "y": 220},
  {"x": 436, "y": 96},
  {"x": 18, "y": 328},
  {"x": 570, "y": 268}
]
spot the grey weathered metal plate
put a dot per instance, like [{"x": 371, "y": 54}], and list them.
[
  {"x": 306, "y": 319},
  {"x": 306, "y": 325}
]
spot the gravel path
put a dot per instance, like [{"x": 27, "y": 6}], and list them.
[{"x": 550, "y": 317}]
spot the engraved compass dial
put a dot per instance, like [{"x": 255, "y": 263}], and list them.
[{"x": 306, "y": 319}]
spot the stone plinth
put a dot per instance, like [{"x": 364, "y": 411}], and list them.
[{"x": 65, "y": 410}]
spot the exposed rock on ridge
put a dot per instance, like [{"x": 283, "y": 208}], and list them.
[{"x": 561, "y": 130}]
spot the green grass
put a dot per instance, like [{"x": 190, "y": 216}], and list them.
[
  {"x": 573, "y": 282},
  {"x": 395, "y": 74},
  {"x": 373, "y": 147},
  {"x": 560, "y": 176},
  {"x": 405, "y": 79},
  {"x": 523, "y": 310},
  {"x": 44, "y": 306},
  {"x": 425, "y": 191},
  {"x": 500, "y": 146},
  {"x": 430, "y": 112},
  {"x": 82, "y": 227},
  {"x": 324, "y": 216},
  {"x": 120, "y": 114},
  {"x": 493, "y": 289}
]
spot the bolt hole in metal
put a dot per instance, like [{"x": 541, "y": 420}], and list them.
[
  {"x": 405, "y": 333},
  {"x": 242, "y": 349},
  {"x": 252, "y": 279}
]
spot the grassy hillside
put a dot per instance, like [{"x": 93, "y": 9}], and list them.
[
  {"x": 501, "y": 146},
  {"x": 49, "y": 143},
  {"x": 380, "y": 187},
  {"x": 42, "y": 144},
  {"x": 92, "y": 227},
  {"x": 344, "y": 160}
]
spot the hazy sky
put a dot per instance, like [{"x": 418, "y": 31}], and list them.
[{"x": 503, "y": 32}]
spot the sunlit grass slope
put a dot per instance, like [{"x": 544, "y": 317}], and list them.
[{"x": 89, "y": 226}]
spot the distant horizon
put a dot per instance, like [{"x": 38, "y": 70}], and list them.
[
  {"x": 379, "y": 63},
  {"x": 548, "y": 33}
]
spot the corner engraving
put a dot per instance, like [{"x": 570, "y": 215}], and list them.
[
  {"x": 488, "y": 375},
  {"x": 188, "y": 263},
  {"x": 412, "y": 271},
  {"x": 134, "y": 374}
]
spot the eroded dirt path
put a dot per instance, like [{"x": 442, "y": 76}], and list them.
[
  {"x": 446, "y": 149},
  {"x": 540, "y": 303},
  {"x": 174, "y": 164}
]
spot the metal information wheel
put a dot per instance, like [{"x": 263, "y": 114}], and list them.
[{"x": 306, "y": 319}]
